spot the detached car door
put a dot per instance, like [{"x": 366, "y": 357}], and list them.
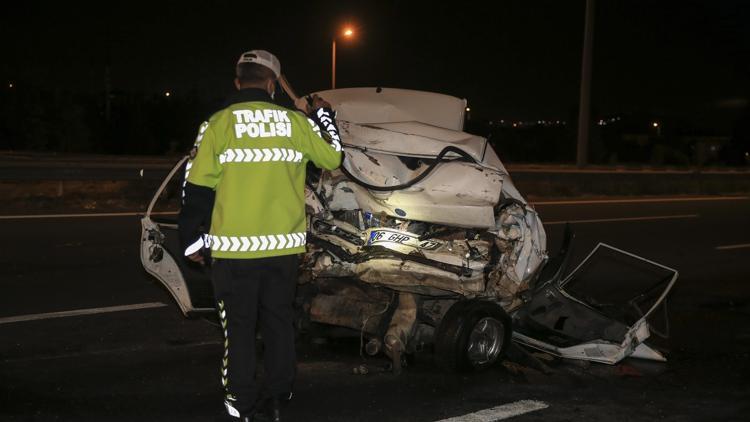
[
  {"x": 601, "y": 311},
  {"x": 188, "y": 282}
]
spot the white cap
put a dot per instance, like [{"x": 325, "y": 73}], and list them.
[{"x": 261, "y": 57}]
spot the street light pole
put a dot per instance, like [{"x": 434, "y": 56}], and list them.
[
  {"x": 333, "y": 64},
  {"x": 584, "y": 110},
  {"x": 347, "y": 33}
]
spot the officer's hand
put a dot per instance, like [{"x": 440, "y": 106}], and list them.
[
  {"x": 316, "y": 103},
  {"x": 197, "y": 257}
]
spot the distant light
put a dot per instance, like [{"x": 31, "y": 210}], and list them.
[
  {"x": 655, "y": 124},
  {"x": 10, "y": 85},
  {"x": 515, "y": 125},
  {"x": 167, "y": 94},
  {"x": 348, "y": 32},
  {"x": 468, "y": 109},
  {"x": 502, "y": 121},
  {"x": 747, "y": 154}
]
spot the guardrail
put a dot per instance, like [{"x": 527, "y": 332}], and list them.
[{"x": 35, "y": 175}]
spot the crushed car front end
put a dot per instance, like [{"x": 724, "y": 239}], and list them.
[{"x": 421, "y": 238}]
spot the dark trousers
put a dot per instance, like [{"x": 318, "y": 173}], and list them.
[{"x": 248, "y": 292}]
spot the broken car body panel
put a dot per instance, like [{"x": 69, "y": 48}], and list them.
[
  {"x": 600, "y": 311},
  {"x": 392, "y": 105},
  {"x": 423, "y": 225}
]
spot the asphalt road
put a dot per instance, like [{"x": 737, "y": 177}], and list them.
[{"x": 151, "y": 364}]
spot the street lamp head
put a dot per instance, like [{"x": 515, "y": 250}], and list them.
[
  {"x": 347, "y": 32},
  {"x": 655, "y": 124}
]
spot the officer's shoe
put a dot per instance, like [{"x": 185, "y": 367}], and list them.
[
  {"x": 269, "y": 411},
  {"x": 271, "y": 408}
]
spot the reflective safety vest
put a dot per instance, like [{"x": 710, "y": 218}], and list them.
[{"x": 253, "y": 154}]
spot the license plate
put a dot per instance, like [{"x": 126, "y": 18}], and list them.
[{"x": 398, "y": 240}]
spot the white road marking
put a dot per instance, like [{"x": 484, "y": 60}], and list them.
[
  {"x": 125, "y": 350},
  {"x": 613, "y": 220},
  {"x": 532, "y": 169},
  {"x": 79, "y": 312},
  {"x": 501, "y": 412},
  {"x": 730, "y": 247},
  {"x": 104, "y": 214},
  {"x": 642, "y": 200}
]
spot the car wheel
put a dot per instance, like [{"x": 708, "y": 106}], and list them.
[{"x": 472, "y": 335}]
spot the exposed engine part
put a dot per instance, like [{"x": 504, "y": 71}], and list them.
[
  {"x": 344, "y": 303},
  {"x": 373, "y": 346},
  {"x": 325, "y": 227},
  {"x": 401, "y": 325}
]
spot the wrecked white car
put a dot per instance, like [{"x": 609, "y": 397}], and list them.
[{"x": 420, "y": 238}]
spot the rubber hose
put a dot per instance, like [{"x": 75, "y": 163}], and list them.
[{"x": 415, "y": 180}]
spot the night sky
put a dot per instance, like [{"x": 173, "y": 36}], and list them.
[{"x": 510, "y": 59}]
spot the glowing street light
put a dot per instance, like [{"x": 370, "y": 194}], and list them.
[
  {"x": 348, "y": 32},
  {"x": 657, "y": 126},
  {"x": 167, "y": 94}
]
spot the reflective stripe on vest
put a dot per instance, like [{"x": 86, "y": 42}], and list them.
[
  {"x": 327, "y": 121},
  {"x": 255, "y": 155},
  {"x": 256, "y": 243}
]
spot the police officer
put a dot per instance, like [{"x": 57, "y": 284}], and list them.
[{"x": 246, "y": 182}]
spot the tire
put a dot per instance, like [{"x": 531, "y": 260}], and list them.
[{"x": 472, "y": 336}]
